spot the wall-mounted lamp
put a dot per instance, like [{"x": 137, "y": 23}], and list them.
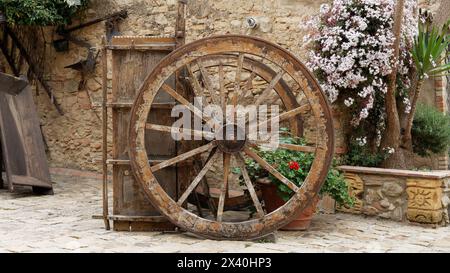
[{"x": 251, "y": 22}]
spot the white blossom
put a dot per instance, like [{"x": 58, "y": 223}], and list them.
[
  {"x": 389, "y": 150},
  {"x": 364, "y": 113},
  {"x": 349, "y": 102},
  {"x": 361, "y": 141},
  {"x": 352, "y": 57},
  {"x": 407, "y": 104}
]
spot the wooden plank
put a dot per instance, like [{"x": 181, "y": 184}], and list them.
[
  {"x": 160, "y": 143},
  {"x": 2, "y": 168},
  {"x": 249, "y": 185},
  {"x": 156, "y": 47},
  {"x": 169, "y": 90},
  {"x": 287, "y": 115},
  {"x": 180, "y": 131},
  {"x": 237, "y": 81},
  {"x": 264, "y": 95},
  {"x": 12, "y": 85},
  {"x": 23, "y": 146},
  {"x": 152, "y": 161},
  {"x": 224, "y": 190},
  {"x": 286, "y": 146},
  {"x": 105, "y": 194},
  {"x": 184, "y": 156},
  {"x": 155, "y": 219},
  {"x": 197, "y": 179},
  {"x": 140, "y": 40},
  {"x": 223, "y": 92},
  {"x": 29, "y": 181},
  {"x": 207, "y": 82}
]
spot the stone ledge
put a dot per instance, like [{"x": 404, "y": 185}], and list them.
[
  {"x": 394, "y": 172},
  {"x": 400, "y": 195}
]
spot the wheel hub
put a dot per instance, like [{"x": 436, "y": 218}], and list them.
[{"x": 231, "y": 138}]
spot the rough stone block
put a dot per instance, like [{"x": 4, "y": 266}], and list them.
[{"x": 392, "y": 189}]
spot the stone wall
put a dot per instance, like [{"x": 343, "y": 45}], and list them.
[
  {"x": 420, "y": 197},
  {"x": 74, "y": 139}
]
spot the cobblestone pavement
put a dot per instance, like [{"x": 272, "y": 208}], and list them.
[{"x": 64, "y": 223}]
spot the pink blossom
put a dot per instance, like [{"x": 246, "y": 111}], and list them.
[{"x": 353, "y": 50}]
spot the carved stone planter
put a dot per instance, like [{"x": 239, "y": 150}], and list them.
[{"x": 400, "y": 195}]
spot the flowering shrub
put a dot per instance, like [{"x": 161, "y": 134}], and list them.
[
  {"x": 41, "y": 12},
  {"x": 351, "y": 45},
  {"x": 359, "y": 154},
  {"x": 293, "y": 165}
]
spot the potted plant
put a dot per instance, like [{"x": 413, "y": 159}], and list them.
[{"x": 294, "y": 166}]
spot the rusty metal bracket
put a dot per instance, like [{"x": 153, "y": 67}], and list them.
[{"x": 87, "y": 66}]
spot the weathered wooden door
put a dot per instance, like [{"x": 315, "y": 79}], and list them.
[{"x": 132, "y": 60}]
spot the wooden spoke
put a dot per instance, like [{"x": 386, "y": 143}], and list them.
[
  {"x": 271, "y": 169},
  {"x": 198, "y": 178},
  {"x": 207, "y": 82},
  {"x": 224, "y": 190},
  {"x": 269, "y": 88},
  {"x": 180, "y": 131},
  {"x": 248, "y": 183},
  {"x": 247, "y": 86},
  {"x": 205, "y": 186},
  {"x": 287, "y": 115},
  {"x": 237, "y": 82},
  {"x": 223, "y": 93},
  {"x": 183, "y": 101},
  {"x": 195, "y": 83},
  {"x": 183, "y": 157},
  {"x": 286, "y": 146},
  {"x": 297, "y": 148}
]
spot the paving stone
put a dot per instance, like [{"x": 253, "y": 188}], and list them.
[{"x": 63, "y": 223}]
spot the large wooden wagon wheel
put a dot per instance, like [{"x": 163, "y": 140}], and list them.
[{"x": 223, "y": 70}]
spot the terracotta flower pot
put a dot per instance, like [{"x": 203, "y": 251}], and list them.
[{"x": 272, "y": 202}]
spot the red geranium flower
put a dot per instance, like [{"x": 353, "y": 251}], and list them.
[{"x": 293, "y": 165}]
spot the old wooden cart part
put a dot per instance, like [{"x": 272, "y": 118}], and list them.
[
  {"x": 132, "y": 58},
  {"x": 15, "y": 54},
  {"x": 22, "y": 151},
  {"x": 111, "y": 30},
  {"x": 209, "y": 64},
  {"x": 87, "y": 66}
]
